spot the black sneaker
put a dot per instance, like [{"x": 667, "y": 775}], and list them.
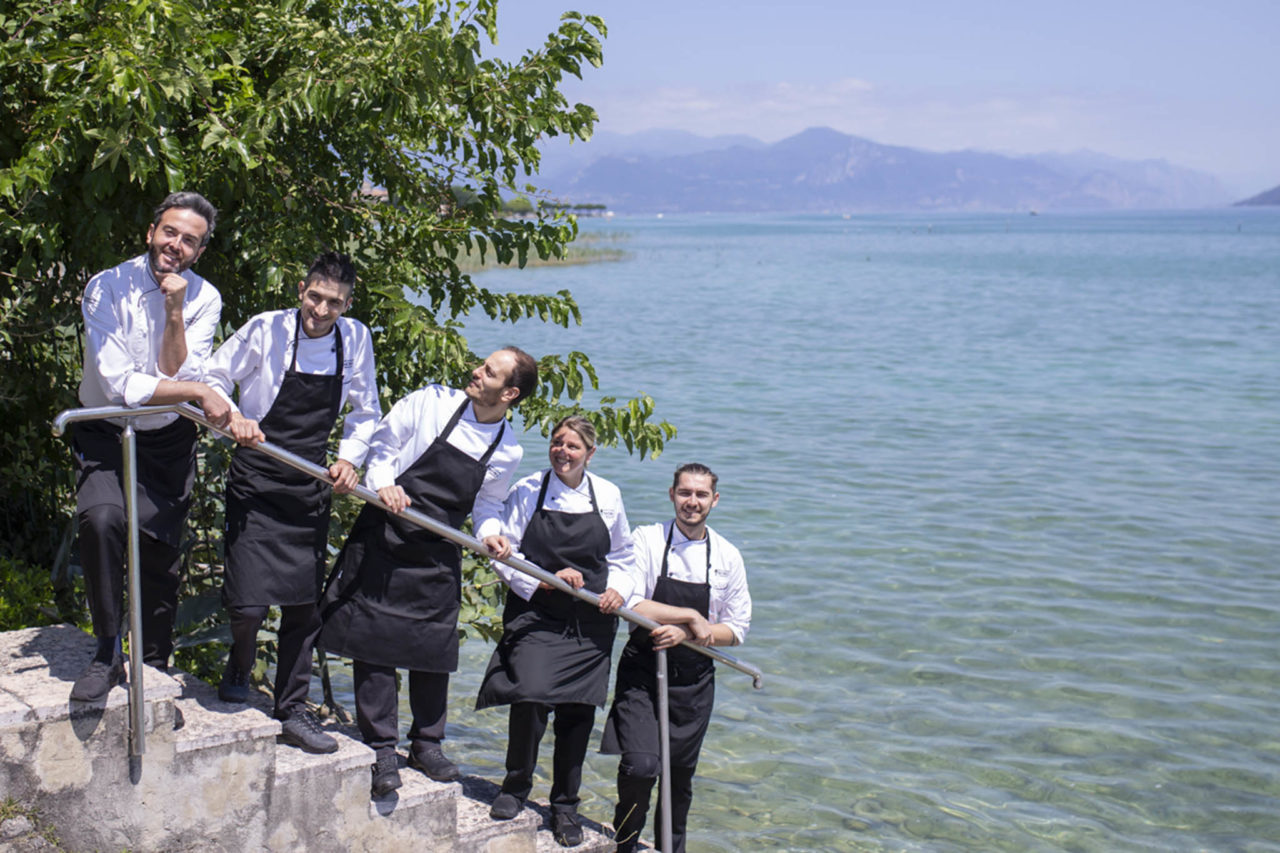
[
  {"x": 430, "y": 759},
  {"x": 386, "y": 774},
  {"x": 505, "y": 806},
  {"x": 96, "y": 681},
  {"x": 566, "y": 829},
  {"x": 302, "y": 730},
  {"x": 234, "y": 687}
]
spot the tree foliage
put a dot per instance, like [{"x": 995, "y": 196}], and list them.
[{"x": 372, "y": 126}]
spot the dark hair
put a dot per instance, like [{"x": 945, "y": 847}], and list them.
[
  {"x": 335, "y": 267},
  {"x": 697, "y": 469},
  {"x": 524, "y": 375},
  {"x": 193, "y": 202}
]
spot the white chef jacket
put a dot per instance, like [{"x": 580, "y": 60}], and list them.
[
  {"x": 730, "y": 599},
  {"x": 258, "y": 355},
  {"x": 124, "y": 316},
  {"x": 521, "y": 504},
  {"x": 414, "y": 422}
]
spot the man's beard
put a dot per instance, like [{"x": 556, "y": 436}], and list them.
[{"x": 155, "y": 255}]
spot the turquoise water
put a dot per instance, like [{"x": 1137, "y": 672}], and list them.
[{"x": 1006, "y": 489}]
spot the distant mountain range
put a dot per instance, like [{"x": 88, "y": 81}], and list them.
[
  {"x": 1271, "y": 196},
  {"x": 822, "y": 170}
]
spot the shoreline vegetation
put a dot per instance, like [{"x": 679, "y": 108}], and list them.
[
  {"x": 593, "y": 248},
  {"x": 585, "y": 249}
]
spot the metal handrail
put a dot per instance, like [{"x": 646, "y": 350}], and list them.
[
  {"x": 369, "y": 496},
  {"x": 411, "y": 515}
]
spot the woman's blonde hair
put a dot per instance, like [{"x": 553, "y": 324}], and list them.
[{"x": 583, "y": 427}]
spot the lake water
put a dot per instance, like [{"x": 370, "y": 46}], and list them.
[{"x": 1006, "y": 487}]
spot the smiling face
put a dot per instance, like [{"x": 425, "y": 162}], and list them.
[
  {"x": 322, "y": 302},
  {"x": 569, "y": 455},
  {"x": 693, "y": 496},
  {"x": 176, "y": 241}
]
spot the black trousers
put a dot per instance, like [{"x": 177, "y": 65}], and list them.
[
  {"x": 572, "y": 727},
  {"x": 637, "y": 773},
  {"x": 377, "y": 705},
  {"x": 103, "y": 541},
  {"x": 299, "y": 626}
]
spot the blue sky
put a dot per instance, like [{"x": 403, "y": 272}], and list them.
[{"x": 1197, "y": 84}]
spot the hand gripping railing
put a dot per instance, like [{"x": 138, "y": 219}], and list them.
[{"x": 411, "y": 515}]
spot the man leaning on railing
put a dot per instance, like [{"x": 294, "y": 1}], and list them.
[
  {"x": 297, "y": 370},
  {"x": 695, "y": 584},
  {"x": 393, "y": 596},
  {"x": 149, "y": 326}
]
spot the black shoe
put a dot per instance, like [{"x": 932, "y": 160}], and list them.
[
  {"x": 302, "y": 730},
  {"x": 430, "y": 759},
  {"x": 386, "y": 775},
  {"x": 505, "y": 806},
  {"x": 566, "y": 829},
  {"x": 234, "y": 687},
  {"x": 96, "y": 681}
]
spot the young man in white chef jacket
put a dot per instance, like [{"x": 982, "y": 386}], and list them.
[
  {"x": 695, "y": 584},
  {"x": 298, "y": 369}
]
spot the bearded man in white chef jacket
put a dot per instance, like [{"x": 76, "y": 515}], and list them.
[
  {"x": 149, "y": 326},
  {"x": 298, "y": 369}
]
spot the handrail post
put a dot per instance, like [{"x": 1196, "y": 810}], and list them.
[
  {"x": 137, "y": 709},
  {"x": 664, "y": 752}
]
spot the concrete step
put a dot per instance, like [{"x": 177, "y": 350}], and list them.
[
  {"x": 199, "y": 786},
  {"x": 219, "y": 781},
  {"x": 478, "y": 794}
]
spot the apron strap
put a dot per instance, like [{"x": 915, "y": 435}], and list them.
[
  {"x": 667, "y": 550},
  {"x": 335, "y": 400},
  {"x": 453, "y": 422},
  {"x": 591, "y": 492}
]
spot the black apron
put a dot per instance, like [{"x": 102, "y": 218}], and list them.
[
  {"x": 394, "y": 594},
  {"x": 277, "y": 518},
  {"x": 555, "y": 648},
  {"x": 166, "y": 464},
  {"x": 633, "y": 720}
]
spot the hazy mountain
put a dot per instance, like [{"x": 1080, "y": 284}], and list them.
[
  {"x": 560, "y": 156},
  {"x": 824, "y": 170},
  {"x": 1271, "y": 196},
  {"x": 1148, "y": 183}
]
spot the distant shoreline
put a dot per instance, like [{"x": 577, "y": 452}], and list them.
[{"x": 583, "y": 250}]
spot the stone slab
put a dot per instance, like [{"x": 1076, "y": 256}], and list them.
[{"x": 210, "y": 723}]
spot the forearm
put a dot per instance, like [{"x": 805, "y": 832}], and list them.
[
  {"x": 175, "y": 391},
  {"x": 666, "y": 614},
  {"x": 722, "y": 635},
  {"x": 173, "y": 346}
]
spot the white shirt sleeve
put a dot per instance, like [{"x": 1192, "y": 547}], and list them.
[
  {"x": 621, "y": 558},
  {"x": 392, "y": 433},
  {"x": 517, "y": 511},
  {"x": 730, "y": 599},
  {"x": 648, "y": 561},
  {"x": 365, "y": 410},
  {"x": 107, "y": 348},
  {"x": 201, "y": 320},
  {"x": 239, "y": 357}
]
